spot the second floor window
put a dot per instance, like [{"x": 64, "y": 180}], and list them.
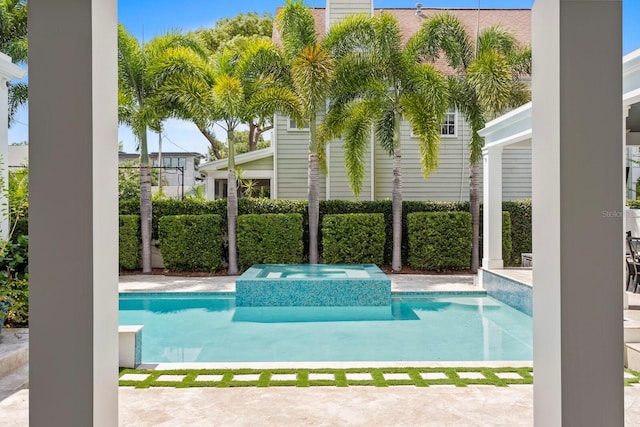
[
  {"x": 293, "y": 125},
  {"x": 448, "y": 126},
  {"x": 172, "y": 162}
]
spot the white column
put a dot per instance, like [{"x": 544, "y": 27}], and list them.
[
  {"x": 577, "y": 220},
  {"x": 73, "y": 217},
  {"x": 210, "y": 188},
  {"x": 8, "y": 72},
  {"x": 492, "y": 208}
]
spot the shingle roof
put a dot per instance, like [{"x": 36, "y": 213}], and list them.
[{"x": 518, "y": 21}]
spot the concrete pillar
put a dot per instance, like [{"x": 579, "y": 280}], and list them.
[
  {"x": 8, "y": 72},
  {"x": 492, "y": 208},
  {"x": 73, "y": 222},
  {"x": 577, "y": 218}
]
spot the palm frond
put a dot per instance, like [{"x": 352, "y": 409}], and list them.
[
  {"x": 425, "y": 123},
  {"x": 496, "y": 38},
  {"x": 357, "y": 132},
  {"x": 296, "y": 26},
  {"x": 443, "y": 35},
  {"x": 490, "y": 76},
  {"x": 355, "y": 33},
  {"x": 312, "y": 73},
  {"x": 384, "y": 130}
]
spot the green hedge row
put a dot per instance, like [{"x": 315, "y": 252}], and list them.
[
  {"x": 520, "y": 214},
  {"x": 353, "y": 239},
  {"x": 507, "y": 244},
  {"x": 129, "y": 248},
  {"x": 439, "y": 240},
  {"x": 269, "y": 239},
  {"x": 191, "y": 242}
]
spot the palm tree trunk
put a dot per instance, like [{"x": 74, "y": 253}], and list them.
[
  {"x": 396, "y": 199},
  {"x": 253, "y": 137},
  {"x": 232, "y": 207},
  {"x": 474, "y": 207},
  {"x": 145, "y": 204},
  {"x": 313, "y": 196}
]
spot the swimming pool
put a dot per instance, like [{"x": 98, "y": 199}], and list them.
[{"x": 207, "y": 327}]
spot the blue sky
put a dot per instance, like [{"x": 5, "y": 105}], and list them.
[{"x": 147, "y": 18}]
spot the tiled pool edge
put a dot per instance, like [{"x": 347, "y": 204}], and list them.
[{"x": 508, "y": 290}]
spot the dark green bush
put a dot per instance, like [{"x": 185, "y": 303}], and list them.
[
  {"x": 520, "y": 214},
  {"x": 633, "y": 204},
  {"x": 439, "y": 240},
  {"x": 507, "y": 244},
  {"x": 14, "y": 281},
  {"x": 21, "y": 228},
  {"x": 191, "y": 242},
  {"x": 129, "y": 248},
  {"x": 269, "y": 239},
  {"x": 353, "y": 239}
]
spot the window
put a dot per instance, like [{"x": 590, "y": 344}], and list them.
[
  {"x": 172, "y": 162},
  {"x": 293, "y": 125},
  {"x": 448, "y": 125}
]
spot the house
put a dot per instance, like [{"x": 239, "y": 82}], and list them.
[
  {"x": 179, "y": 170},
  {"x": 283, "y": 166}
]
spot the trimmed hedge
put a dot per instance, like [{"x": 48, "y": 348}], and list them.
[
  {"x": 507, "y": 245},
  {"x": 269, "y": 239},
  {"x": 191, "y": 242},
  {"x": 520, "y": 215},
  {"x": 353, "y": 239},
  {"x": 129, "y": 247},
  {"x": 439, "y": 240},
  {"x": 520, "y": 212}
]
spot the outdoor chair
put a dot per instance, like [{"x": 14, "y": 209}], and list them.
[{"x": 633, "y": 263}]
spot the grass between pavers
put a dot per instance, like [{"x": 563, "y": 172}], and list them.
[{"x": 265, "y": 377}]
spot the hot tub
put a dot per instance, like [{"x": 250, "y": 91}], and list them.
[{"x": 319, "y": 285}]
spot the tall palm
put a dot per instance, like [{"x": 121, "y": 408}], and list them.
[
  {"x": 379, "y": 83},
  {"x": 136, "y": 90},
  {"x": 223, "y": 90},
  {"x": 13, "y": 42},
  {"x": 311, "y": 76},
  {"x": 487, "y": 82}
]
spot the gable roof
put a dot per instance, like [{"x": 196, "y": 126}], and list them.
[{"x": 518, "y": 21}]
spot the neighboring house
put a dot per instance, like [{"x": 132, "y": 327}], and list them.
[
  {"x": 18, "y": 156},
  {"x": 284, "y": 165},
  {"x": 179, "y": 173}
]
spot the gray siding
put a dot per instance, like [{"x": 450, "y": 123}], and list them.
[
  {"x": 292, "y": 150},
  {"x": 337, "y": 10},
  {"x": 339, "y": 183},
  {"x": 516, "y": 173}
]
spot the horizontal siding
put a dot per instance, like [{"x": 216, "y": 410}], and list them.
[
  {"x": 449, "y": 182},
  {"x": 293, "y": 159},
  {"x": 339, "y": 187},
  {"x": 337, "y": 10},
  {"x": 261, "y": 164}
]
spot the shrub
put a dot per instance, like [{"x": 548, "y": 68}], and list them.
[
  {"x": 520, "y": 215},
  {"x": 507, "y": 244},
  {"x": 20, "y": 228},
  {"x": 353, "y": 239},
  {"x": 191, "y": 242},
  {"x": 129, "y": 248},
  {"x": 439, "y": 240},
  {"x": 269, "y": 239},
  {"x": 14, "y": 281}
]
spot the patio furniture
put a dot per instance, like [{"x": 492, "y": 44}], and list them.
[{"x": 633, "y": 262}]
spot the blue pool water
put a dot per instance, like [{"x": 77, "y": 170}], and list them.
[{"x": 209, "y": 328}]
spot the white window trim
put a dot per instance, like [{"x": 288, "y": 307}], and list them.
[
  {"x": 295, "y": 129},
  {"x": 456, "y": 123}
]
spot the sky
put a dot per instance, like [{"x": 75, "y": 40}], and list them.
[{"x": 148, "y": 18}]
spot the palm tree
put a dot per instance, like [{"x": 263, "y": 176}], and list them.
[
  {"x": 487, "y": 82},
  {"x": 137, "y": 109},
  {"x": 222, "y": 90},
  {"x": 379, "y": 83},
  {"x": 311, "y": 76},
  {"x": 13, "y": 42}
]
